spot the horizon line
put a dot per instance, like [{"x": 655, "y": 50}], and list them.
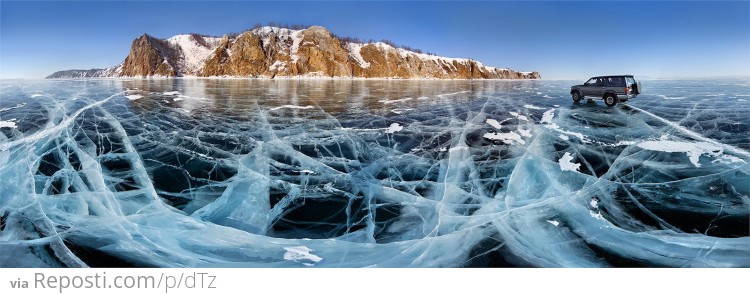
[{"x": 361, "y": 78}]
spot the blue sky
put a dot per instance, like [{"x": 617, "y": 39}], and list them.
[{"x": 560, "y": 39}]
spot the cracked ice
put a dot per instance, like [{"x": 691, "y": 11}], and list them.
[{"x": 316, "y": 173}]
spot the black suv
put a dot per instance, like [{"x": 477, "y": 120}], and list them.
[{"x": 612, "y": 89}]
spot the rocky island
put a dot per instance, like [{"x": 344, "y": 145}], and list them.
[{"x": 269, "y": 52}]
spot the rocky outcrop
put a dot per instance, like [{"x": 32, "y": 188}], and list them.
[
  {"x": 278, "y": 52},
  {"x": 244, "y": 57},
  {"x": 381, "y": 60},
  {"x": 149, "y": 56},
  {"x": 271, "y": 52},
  {"x": 214, "y": 64},
  {"x": 321, "y": 54}
]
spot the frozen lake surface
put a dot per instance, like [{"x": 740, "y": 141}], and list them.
[{"x": 341, "y": 173}]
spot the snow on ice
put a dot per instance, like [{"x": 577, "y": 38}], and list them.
[
  {"x": 394, "y": 127},
  {"x": 566, "y": 163}
]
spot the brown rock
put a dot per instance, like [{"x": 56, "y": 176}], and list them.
[
  {"x": 272, "y": 52},
  {"x": 148, "y": 56},
  {"x": 321, "y": 54},
  {"x": 214, "y": 63}
]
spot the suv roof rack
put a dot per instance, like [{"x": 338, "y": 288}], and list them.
[{"x": 612, "y": 76}]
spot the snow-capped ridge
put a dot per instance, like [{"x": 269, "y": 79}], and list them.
[{"x": 269, "y": 52}]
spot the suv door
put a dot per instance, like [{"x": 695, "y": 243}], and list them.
[
  {"x": 597, "y": 89},
  {"x": 588, "y": 88}
]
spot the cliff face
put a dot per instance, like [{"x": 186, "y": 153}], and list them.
[
  {"x": 243, "y": 56},
  {"x": 319, "y": 53},
  {"x": 380, "y": 60},
  {"x": 270, "y": 52},
  {"x": 278, "y": 52},
  {"x": 149, "y": 57}
]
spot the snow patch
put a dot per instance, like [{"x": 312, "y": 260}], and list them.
[
  {"x": 554, "y": 222},
  {"x": 451, "y": 94},
  {"x": 302, "y": 255},
  {"x": 494, "y": 123},
  {"x": 596, "y": 215},
  {"x": 19, "y": 105},
  {"x": 519, "y": 116},
  {"x": 594, "y": 203},
  {"x": 557, "y": 128},
  {"x": 529, "y": 106},
  {"x": 395, "y": 127},
  {"x": 292, "y": 107},
  {"x": 548, "y": 116},
  {"x": 394, "y": 101},
  {"x": 726, "y": 158},
  {"x": 401, "y": 110},
  {"x": 507, "y": 138},
  {"x": 193, "y": 53},
  {"x": 670, "y": 98},
  {"x": 693, "y": 150},
  {"x": 8, "y": 124},
  {"x": 134, "y": 97},
  {"x": 457, "y": 148},
  {"x": 566, "y": 163},
  {"x": 621, "y": 143},
  {"x": 277, "y": 65},
  {"x": 354, "y": 52},
  {"x": 296, "y": 40}
]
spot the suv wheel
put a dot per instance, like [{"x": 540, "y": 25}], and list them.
[
  {"x": 576, "y": 96},
  {"x": 610, "y": 100}
]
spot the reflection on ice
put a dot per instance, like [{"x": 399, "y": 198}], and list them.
[{"x": 202, "y": 172}]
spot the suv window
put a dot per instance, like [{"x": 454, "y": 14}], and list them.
[
  {"x": 591, "y": 82},
  {"x": 616, "y": 81}
]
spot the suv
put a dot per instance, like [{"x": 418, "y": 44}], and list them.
[{"x": 612, "y": 89}]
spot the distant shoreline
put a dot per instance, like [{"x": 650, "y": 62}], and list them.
[{"x": 361, "y": 78}]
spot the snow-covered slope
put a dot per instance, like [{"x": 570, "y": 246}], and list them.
[
  {"x": 287, "y": 41},
  {"x": 87, "y": 73},
  {"x": 193, "y": 51}
]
